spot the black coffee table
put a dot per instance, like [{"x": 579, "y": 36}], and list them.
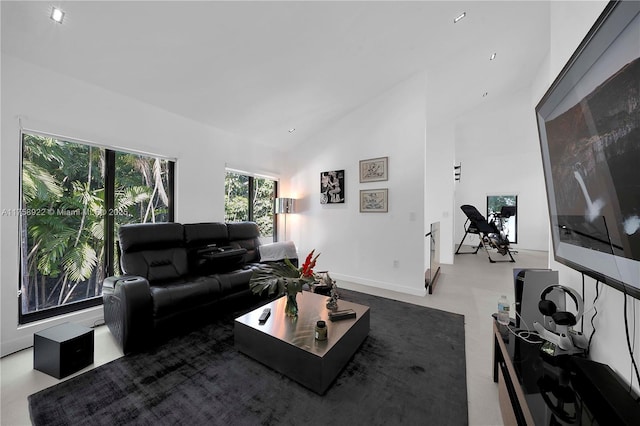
[{"x": 288, "y": 344}]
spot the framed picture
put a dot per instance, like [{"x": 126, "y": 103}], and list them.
[
  {"x": 374, "y": 169},
  {"x": 374, "y": 200},
  {"x": 332, "y": 187}
]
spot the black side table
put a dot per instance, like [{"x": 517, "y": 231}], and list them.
[{"x": 63, "y": 349}]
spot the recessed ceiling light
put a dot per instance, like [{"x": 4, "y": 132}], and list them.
[
  {"x": 462, "y": 15},
  {"x": 291, "y": 130},
  {"x": 57, "y": 15},
  {"x": 493, "y": 56}
]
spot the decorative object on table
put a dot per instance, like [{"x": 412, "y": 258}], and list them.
[
  {"x": 332, "y": 301},
  {"x": 285, "y": 279},
  {"x": 321, "y": 330},
  {"x": 342, "y": 315},
  {"x": 374, "y": 200},
  {"x": 374, "y": 169},
  {"x": 329, "y": 285},
  {"x": 332, "y": 187}
]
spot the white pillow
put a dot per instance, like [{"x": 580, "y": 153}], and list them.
[{"x": 278, "y": 251}]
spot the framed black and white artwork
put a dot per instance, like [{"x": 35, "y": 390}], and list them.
[
  {"x": 332, "y": 187},
  {"x": 374, "y": 200},
  {"x": 374, "y": 169}
]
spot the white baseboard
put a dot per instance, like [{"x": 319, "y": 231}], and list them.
[
  {"x": 380, "y": 284},
  {"x": 23, "y": 336}
]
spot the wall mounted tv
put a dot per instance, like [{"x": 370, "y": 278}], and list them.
[{"x": 589, "y": 128}]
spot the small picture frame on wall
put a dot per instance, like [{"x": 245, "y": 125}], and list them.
[
  {"x": 374, "y": 200},
  {"x": 332, "y": 187},
  {"x": 374, "y": 169}
]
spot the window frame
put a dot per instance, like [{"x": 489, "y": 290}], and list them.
[
  {"x": 250, "y": 198},
  {"x": 109, "y": 223},
  {"x": 513, "y": 239}
]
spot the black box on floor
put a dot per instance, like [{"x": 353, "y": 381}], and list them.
[{"x": 63, "y": 349}]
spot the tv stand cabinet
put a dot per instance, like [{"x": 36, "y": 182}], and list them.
[
  {"x": 511, "y": 397},
  {"x": 536, "y": 389}
]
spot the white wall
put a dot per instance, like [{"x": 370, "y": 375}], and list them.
[
  {"x": 497, "y": 145},
  {"x": 362, "y": 247},
  {"x": 439, "y": 186},
  {"x": 60, "y": 105},
  {"x": 569, "y": 25}
]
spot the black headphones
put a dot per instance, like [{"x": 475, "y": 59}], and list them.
[{"x": 548, "y": 308}]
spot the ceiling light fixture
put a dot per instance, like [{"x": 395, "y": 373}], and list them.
[
  {"x": 493, "y": 56},
  {"x": 462, "y": 15},
  {"x": 57, "y": 15}
]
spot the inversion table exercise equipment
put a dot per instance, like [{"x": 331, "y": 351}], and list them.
[{"x": 488, "y": 232}]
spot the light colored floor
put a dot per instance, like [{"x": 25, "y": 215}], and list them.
[{"x": 470, "y": 287}]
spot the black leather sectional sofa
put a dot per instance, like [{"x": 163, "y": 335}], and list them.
[{"x": 178, "y": 275}]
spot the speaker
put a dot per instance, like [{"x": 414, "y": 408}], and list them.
[
  {"x": 528, "y": 284},
  {"x": 63, "y": 349}
]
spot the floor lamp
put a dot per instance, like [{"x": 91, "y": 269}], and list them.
[{"x": 284, "y": 206}]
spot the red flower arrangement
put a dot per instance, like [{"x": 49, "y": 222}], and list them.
[
  {"x": 284, "y": 278},
  {"x": 306, "y": 270}
]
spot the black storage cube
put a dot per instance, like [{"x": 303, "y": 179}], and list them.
[{"x": 63, "y": 349}]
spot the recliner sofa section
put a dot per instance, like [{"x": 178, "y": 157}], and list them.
[{"x": 178, "y": 275}]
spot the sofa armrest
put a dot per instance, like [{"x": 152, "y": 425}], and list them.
[{"x": 128, "y": 311}]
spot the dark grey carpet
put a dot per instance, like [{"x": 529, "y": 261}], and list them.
[{"x": 410, "y": 370}]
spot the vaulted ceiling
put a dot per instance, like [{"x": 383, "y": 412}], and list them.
[{"x": 260, "y": 68}]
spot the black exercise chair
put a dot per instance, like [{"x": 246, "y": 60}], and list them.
[{"x": 489, "y": 234}]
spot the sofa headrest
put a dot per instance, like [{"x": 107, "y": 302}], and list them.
[
  {"x": 154, "y": 236},
  {"x": 243, "y": 231},
  {"x": 200, "y": 234}
]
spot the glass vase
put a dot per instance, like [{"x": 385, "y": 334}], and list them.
[{"x": 291, "y": 308}]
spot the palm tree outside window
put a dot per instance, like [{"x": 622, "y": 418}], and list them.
[
  {"x": 250, "y": 197},
  {"x": 74, "y": 197}
]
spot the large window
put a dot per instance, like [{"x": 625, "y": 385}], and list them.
[
  {"x": 74, "y": 198},
  {"x": 251, "y": 198}
]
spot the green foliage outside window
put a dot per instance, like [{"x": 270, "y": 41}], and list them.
[
  {"x": 250, "y": 198},
  {"x": 63, "y": 215},
  {"x": 495, "y": 204}
]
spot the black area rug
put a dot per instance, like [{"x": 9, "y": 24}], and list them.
[{"x": 410, "y": 370}]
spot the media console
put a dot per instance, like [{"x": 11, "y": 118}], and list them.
[{"x": 534, "y": 389}]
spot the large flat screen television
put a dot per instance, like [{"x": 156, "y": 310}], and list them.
[{"x": 589, "y": 128}]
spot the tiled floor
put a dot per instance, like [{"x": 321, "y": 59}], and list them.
[{"x": 470, "y": 287}]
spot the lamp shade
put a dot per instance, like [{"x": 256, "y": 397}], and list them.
[{"x": 284, "y": 205}]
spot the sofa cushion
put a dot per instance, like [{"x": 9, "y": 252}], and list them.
[
  {"x": 156, "y": 265},
  {"x": 153, "y": 250},
  {"x": 201, "y": 239},
  {"x": 198, "y": 235},
  {"x": 234, "y": 282},
  {"x": 245, "y": 235},
  {"x": 184, "y": 295},
  {"x": 144, "y": 236}
]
